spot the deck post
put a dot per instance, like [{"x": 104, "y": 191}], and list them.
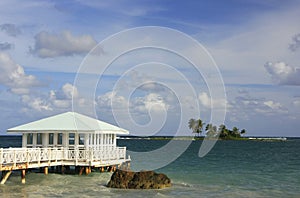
[
  {"x": 62, "y": 169},
  {"x": 23, "y": 173},
  {"x": 81, "y": 170},
  {"x": 6, "y": 176},
  {"x": 87, "y": 170},
  {"x": 46, "y": 170}
]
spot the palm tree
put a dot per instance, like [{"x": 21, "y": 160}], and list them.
[
  {"x": 211, "y": 130},
  {"x": 223, "y": 131},
  {"x": 196, "y": 125},
  {"x": 235, "y": 132},
  {"x": 192, "y": 124},
  {"x": 243, "y": 131}
]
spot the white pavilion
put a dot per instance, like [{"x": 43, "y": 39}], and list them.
[
  {"x": 69, "y": 130},
  {"x": 64, "y": 140}
]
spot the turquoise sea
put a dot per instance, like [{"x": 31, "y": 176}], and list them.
[{"x": 230, "y": 169}]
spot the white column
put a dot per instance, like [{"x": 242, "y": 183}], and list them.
[
  {"x": 76, "y": 141},
  {"x": 55, "y": 139},
  {"x": 98, "y": 141},
  {"x": 65, "y": 139},
  {"x": 24, "y": 140},
  {"x": 104, "y": 139},
  {"x": 34, "y": 140},
  {"x": 115, "y": 139},
  {"x": 86, "y": 140},
  {"x": 45, "y": 139},
  {"x": 101, "y": 140},
  {"x": 95, "y": 140},
  {"x": 91, "y": 140}
]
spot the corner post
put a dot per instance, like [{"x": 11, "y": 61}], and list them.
[{"x": 23, "y": 173}]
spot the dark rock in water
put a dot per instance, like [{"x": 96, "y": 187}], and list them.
[{"x": 138, "y": 180}]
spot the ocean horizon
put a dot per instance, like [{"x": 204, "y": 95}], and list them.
[{"x": 230, "y": 169}]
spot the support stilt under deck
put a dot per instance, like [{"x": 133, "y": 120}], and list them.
[
  {"x": 23, "y": 173},
  {"x": 5, "y": 177},
  {"x": 46, "y": 170},
  {"x": 62, "y": 170},
  {"x": 81, "y": 170},
  {"x": 88, "y": 170}
]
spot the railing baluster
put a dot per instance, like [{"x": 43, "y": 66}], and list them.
[{"x": 15, "y": 158}]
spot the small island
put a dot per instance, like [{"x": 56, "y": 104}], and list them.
[{"x": 214, "y": 132}]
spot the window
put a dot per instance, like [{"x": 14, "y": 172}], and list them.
[
  {"x": 29, "y": 138},
  {"x": 59, "y": 139},
  {"x": 51, "y": 136},
  {"x": 71, "y": 138},
  {"x": 81, "y": 139},
  {"x": 39, "y": 139}
]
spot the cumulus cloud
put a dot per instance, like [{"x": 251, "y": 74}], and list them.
[
  {"x": 152, "y": 87},
  {"x": 140, "y": 81},
  {"x": 68, "y": 91},
  {"x": 6, "y": 46},
  {"x": 296, "y": 43},
  {"x": 296, "y": 102},
  {"x": 49, "y": 45},
  {"x": 35, "y": 103},
  {"x": 13, "y": 76},
  {"x": 244, "y": 107},
  {"x": 137, "y": 105},
  {"x": 63, "y": 98},
  {"x": 283, "y": 73},
  {"x": 10, "y": 29},
  {"x": 110, "y": 99},
  {"x": 209, "y": 102},
  {"x": 151, "y": 102},
  {"x": 55, "y": 100}
]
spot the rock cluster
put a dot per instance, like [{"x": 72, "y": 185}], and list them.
[{"x": 138, "y": 180}]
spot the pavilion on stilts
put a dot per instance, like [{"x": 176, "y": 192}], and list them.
[{"x": 62, "y": 141}]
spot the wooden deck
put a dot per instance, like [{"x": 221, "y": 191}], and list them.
[{"x": 28, "y": 158}]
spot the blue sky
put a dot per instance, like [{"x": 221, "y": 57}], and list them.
[{"x": 255, "y": 44}]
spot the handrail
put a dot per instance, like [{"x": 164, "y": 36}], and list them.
[{"x": 13, "y": 156}]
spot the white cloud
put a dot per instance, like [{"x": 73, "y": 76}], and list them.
[
  {"x": 283, "y": 73},
  {"x": 63, "y": 98},
  {"x": 35, "y": 103},
  {"x": 13, "y": 76},
  {"x": 296, "y": 43},
  {"x": 205, "y": 100},
  {"x": 245, "y": 107},
  {"x": 6, "y": 46},
  {"x": 110, "y": 99},
  {"x": 69, "y": 91},
  {"x": 209, "y": 102},
  {"x": 273, "y": 105},
  {"x": 296, "y": 102},
  {"x": 151, "y": 102},
  {"x": 49, "y": 45},
  {"x": 244, "y": 48},
  {"x": 140, "y": 105},
  {"x": 54, "y": 101},
  {"x": 128, "y": 8},
  {"x": 10, "y": 29}
]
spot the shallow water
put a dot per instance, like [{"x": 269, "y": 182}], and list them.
[{"x": 231, "y": 169}]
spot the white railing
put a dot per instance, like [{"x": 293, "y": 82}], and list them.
[{"x": 13, "y": 156}]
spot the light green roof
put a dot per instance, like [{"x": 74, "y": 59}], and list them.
[{"x": 68, "y": 122}]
